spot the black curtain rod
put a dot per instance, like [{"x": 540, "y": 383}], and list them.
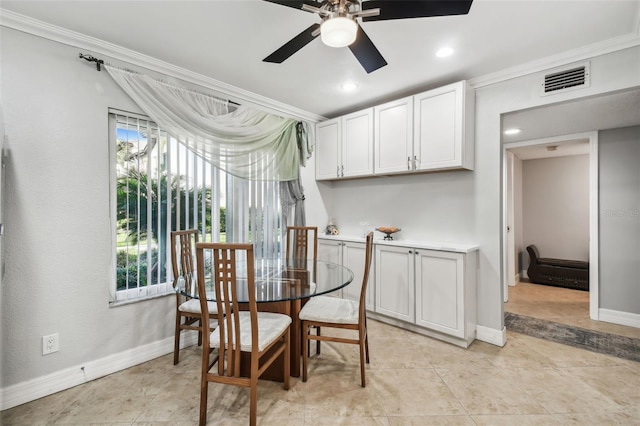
[
  {"x": 92, "y": 59},
  {"x": 99, "y": 62}
]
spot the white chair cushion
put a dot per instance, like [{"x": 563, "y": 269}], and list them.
[
  {"x": 193, "y": 306},
  {"x": 270, "y": 326},
  {"x": 330, "y": 309}
]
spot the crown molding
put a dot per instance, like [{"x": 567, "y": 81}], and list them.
[
  {"x": 564, "y": 58},
  {"x": 51, "y": 32}
]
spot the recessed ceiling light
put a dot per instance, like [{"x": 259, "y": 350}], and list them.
[
  {"x": 444, "y": 52},
  {"x": 349, "y": 86},
  {"x": 512, "y": 131}
]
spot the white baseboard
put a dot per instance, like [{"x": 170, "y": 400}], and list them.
[
  {"x": 618, "y": 317},
  {"x": 39, "y": 387},
  {"x": 516, "y": 280},
  {"x": 491, "y": 335}
]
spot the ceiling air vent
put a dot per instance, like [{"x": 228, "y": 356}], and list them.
[{"x": 566, "y": 79}]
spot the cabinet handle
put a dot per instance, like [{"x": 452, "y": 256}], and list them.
[
  {"x": 410, "y": 251},
  {"x": 408, "y": 163},
  {"x": 342, "y": 171},
  {"x": 415, "y": 162},
  {"x": 338, "y": 171}
]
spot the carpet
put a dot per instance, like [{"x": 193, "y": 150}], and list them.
[{"x": 596, "y": 341}]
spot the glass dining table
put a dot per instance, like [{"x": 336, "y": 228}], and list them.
[{"x": 283, "y": 286}]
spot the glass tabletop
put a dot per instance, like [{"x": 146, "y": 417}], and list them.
[{"x": 278, "y": 280}]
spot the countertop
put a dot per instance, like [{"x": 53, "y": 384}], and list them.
[{"x": 418, "y": 244}]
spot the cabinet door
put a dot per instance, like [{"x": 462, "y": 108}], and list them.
[
  {"x": 440, "y": 291},
  {"x": 353, "y": 257},
  {"x": 357, "y": 144},
  {"x": 394, "y": 282},
  {"x": 438, "y": 128},
  {"x": 394, "y": 137},
  {"x": 328, "y": 134},
  {"x": 331, "y": 251}
]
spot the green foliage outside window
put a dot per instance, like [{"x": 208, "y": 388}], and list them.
[{"x": 134, "y": 190}]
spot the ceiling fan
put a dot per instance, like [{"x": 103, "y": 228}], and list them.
[{"x": 339, "y": 26}]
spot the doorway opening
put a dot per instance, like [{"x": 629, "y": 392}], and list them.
[
  {"x": 559, "y": 177},
  {"x": 605, "y": 117}
]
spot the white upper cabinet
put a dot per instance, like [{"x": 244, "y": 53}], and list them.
[
  {"x": 430, "y": 131},
  {"x": 357, "y": 144},
  {"x": 393, "y": 136},
  {"x": 329, "y": 135},
  {"x": 443, "y": 128},
  {"x": 345, "y": 146}
]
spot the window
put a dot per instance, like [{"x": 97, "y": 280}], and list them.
[{"x": 160, "y": 185}]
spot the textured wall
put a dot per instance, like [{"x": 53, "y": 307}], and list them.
[
  {"x": 556, "y": 206},
  {"x": 620, "y": 219},
  {"x": 58, "y": 228}
]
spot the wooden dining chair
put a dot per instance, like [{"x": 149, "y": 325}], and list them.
[
  {"x": 300, "y": 241},
  {"x": 188, "y": 312},
  {"x": 332, "y": 312},
  {"x": 263, "y": 336}
]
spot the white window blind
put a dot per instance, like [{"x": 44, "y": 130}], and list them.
[{"x": 161, "y": 185}]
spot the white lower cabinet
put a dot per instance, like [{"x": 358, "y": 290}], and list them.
[
  {"x": 351, "y": 255},
  {"x": 440, "y": 291},
  {"x": 395, "y": 289},
  {"x": 424, "y": 288},
  {"x": 430, "y": 290},
  {"x": 330, "y": 251}
]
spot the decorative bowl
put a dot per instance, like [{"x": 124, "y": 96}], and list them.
[{"x": 388, "y": 231}]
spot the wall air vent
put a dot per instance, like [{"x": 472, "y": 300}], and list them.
[{"x": 563, "y": 80}]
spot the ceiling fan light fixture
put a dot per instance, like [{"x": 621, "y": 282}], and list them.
[{"x": 339, "y": 31}]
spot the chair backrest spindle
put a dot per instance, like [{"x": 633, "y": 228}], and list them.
[
  {"x": 182, "y": 246},
  {"x": 300, "y": 241},
  {"x": 365, "y": 278}
]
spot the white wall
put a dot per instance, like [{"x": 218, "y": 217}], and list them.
[
  {"x": 555, "y": 195},
  {"x": 619, "y": 188},
  {"x": 518, "y": 214},
  {"x": 58, "y": 232},
  {"x": 433, "y": 207},
  {"x": 2, "y": 238}
]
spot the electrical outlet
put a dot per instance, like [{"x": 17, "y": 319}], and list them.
[{"x": 49, "y": 344}]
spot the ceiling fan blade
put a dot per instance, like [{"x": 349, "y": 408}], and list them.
[
  {"x": 295, "y": 4},
  {"x": 401, "y": 9},
  {"x": 293, "y": 45},
  {"x": 366, "y": 52}
]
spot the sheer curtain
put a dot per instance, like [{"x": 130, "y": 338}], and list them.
[
  {"x": 292, "y": 192},
  {"x": 246, "y": 143}
]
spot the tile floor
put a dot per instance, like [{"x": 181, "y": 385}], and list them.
[
  {"x": 412, "y": 380},
  {"x": 562, "y": 305}
]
